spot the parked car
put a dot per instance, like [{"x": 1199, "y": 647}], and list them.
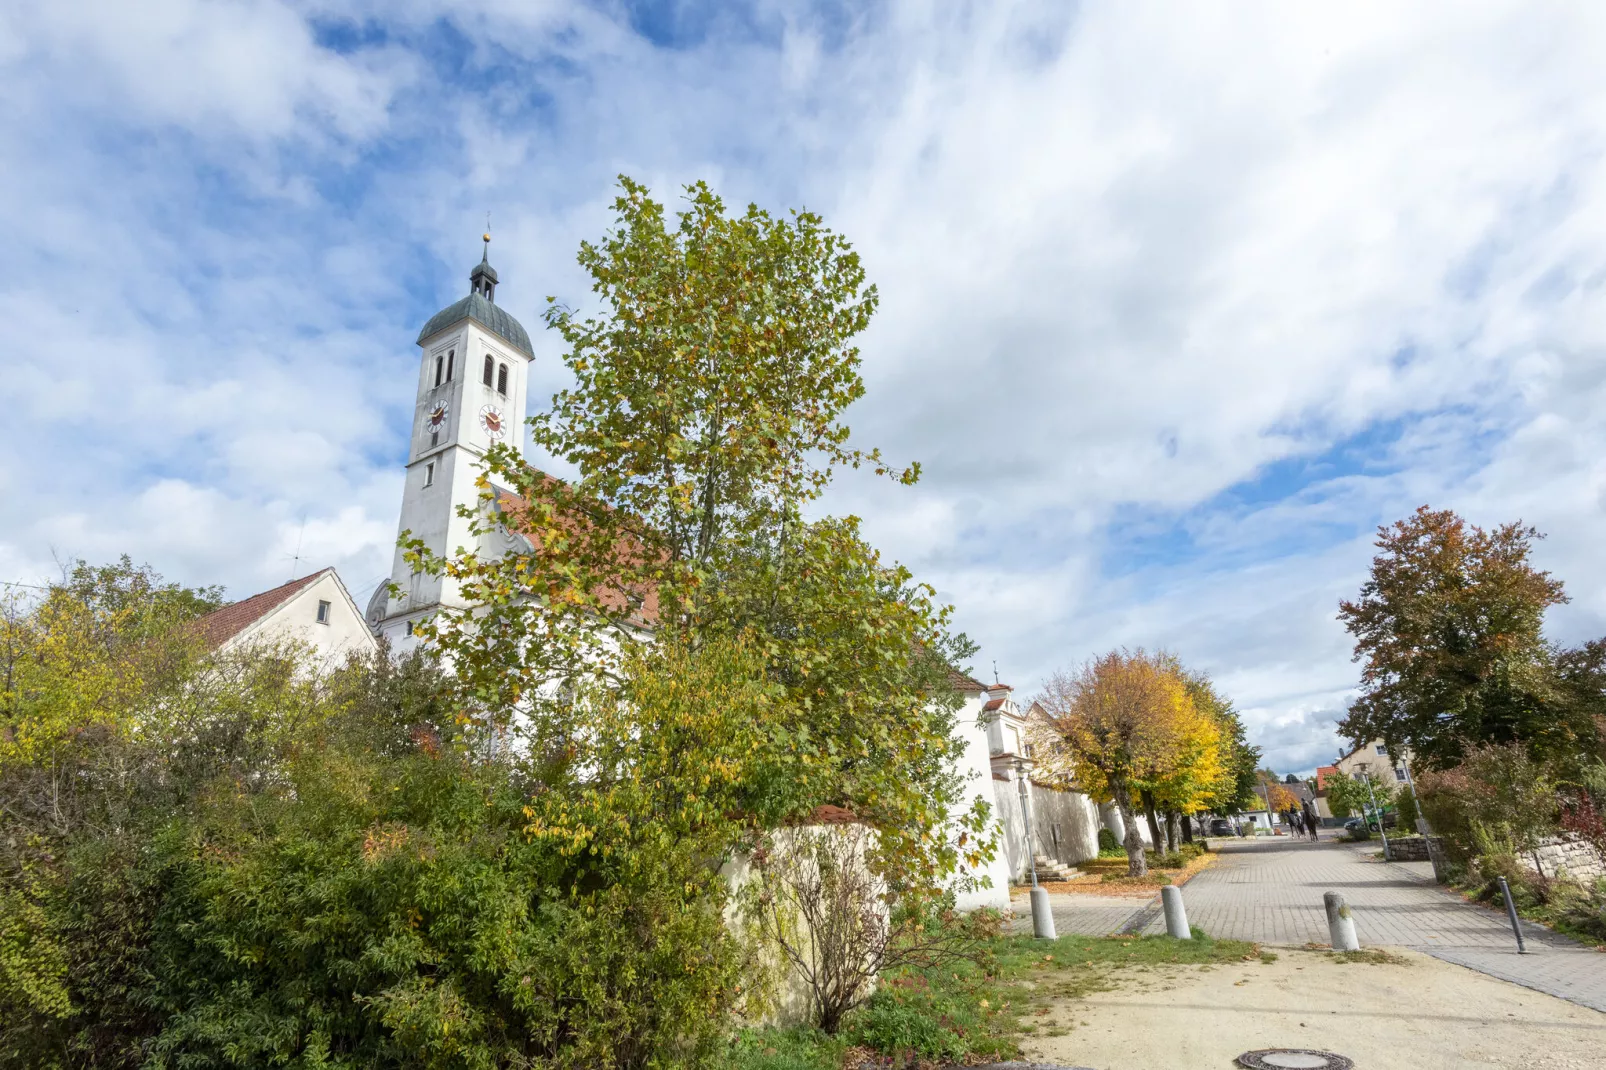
[
  {"x": 1220, "y": 826},
  {"x": 1390, "y": 820}
]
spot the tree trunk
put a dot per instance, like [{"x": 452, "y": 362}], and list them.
[
  {"x": 1173, "y": 832},
  {"x": 1187, "y": 829},
  {"x": 1154, "y": 826},
  {"x": 1136, "y": 864}
]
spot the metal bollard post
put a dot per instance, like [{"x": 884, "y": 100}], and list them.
[
  {"x": 1340, "y": 923},
  {"x": 1042, "y": 916},
  {"x": 1176, "y": 916},
  {"x": 1511, "y": 912}
]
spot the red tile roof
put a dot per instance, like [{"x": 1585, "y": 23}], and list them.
[
  {"x": 833, "y": 815},
  {"x": 961, "y": 682},
  {"x": 221, "y": 625},
  {"x": 993, "y": 704}
]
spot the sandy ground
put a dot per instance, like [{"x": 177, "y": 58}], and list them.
[{"x": 1421, "y": 1014}]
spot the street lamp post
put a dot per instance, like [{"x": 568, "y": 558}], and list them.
[
  {"x": 1379, "y": 812},
  {"x": 1042, "y": 916}
]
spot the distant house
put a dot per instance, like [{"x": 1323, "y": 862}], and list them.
[
  {"x": 316, "y": 611},
  {"x": 1374, "y": 760}
]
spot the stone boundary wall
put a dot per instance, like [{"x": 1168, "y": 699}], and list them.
[
  {"x": 1411, "y": 849},
  {"x": 1558, "y": 854}
]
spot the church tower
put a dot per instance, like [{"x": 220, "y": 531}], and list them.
[{"x": 473, "y": 366}]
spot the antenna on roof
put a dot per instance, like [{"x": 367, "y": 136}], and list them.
[{"x": 295, "y": 562}]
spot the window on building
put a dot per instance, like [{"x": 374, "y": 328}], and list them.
[
  {"x": 1382, "y": 749},
  {"x": 429, "y": 474},
  {"x": 434, "y": 438},
  {"x": 489, "y": 366},
  {"x": 440, "y": 365},
  {"x": 501, "y": 381},
  {"x": 323, "y": 612},
  {"x": 409, "y": 627},
  {"x": 451, "y": 354},
  {"x": 1399, "y": 772}
]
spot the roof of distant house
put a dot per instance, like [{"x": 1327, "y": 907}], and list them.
[
  {"x": 221, "y": 625},
  {"x": 964, "y": 682}
]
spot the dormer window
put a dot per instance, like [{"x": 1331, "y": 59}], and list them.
[
  {"x": 501, "y": 381},
  {"x": 489, "y": 365}
]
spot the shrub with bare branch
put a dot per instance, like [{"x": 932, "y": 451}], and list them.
[{"x": 837, "y": 925}]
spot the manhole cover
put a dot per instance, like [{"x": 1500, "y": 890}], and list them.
[{"x": 1292, "y": 1058}]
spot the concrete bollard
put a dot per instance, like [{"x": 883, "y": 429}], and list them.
[
  {"x": 1340, "y": 923},
  {"x": 1042, "y": 916},
  {"x": 1176, "y": 915}
]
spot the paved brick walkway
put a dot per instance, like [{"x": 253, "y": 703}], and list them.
[
  {"x": 1081, "y": 915},
  {"x": 1270, "y": 891}
]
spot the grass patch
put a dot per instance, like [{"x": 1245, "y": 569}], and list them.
[
  {"x": 1370, "y": 956},
  {"x": 978, "y": 1011}
]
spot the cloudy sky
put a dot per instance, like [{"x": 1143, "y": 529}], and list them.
[{"x": 1180, "y": 301}]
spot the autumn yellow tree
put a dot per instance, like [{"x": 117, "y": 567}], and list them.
[
  {"x": 1196, "y": 777},
  {"x": 1278, "y": 798},
  {"x": 1119, "y": 722}
]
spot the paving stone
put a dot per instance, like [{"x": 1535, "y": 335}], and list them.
[
  {"x": 1270, "y": 891},
  {"x": 1082, "y": 915}
]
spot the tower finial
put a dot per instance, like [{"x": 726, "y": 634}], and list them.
[{"x": 482, "y": 280}]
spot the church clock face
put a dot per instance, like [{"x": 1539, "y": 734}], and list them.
[
  {"x": 491, "y": 420},
  {"x": 435, "y": 419}
]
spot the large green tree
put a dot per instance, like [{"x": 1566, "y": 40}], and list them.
[
  {"x": 704, "y": 422},
  {"x": 1448, "y": 629}
]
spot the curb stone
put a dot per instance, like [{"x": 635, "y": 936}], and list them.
[{"x": 1028, "y": 1066}]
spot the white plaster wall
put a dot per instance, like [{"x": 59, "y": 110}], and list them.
[
  {"x": 977, "y": 766},
  {"x": 790, "y": 1002},
  {"x": 1076, "y": 818},
  {"x": 296, "y": 620}
]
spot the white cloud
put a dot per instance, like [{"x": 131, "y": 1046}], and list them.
[
  {"x": 1129, "y": 255},
  {"x": 248, "y": 66}
]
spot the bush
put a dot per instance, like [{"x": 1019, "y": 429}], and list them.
[
  {"x": 1109, "y": 847},
  {"x": 1498, "y": 793},
  {"x": 1405, "y": 806},
  {"x": 1359, "y": 833}
]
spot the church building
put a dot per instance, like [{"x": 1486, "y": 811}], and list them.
[
  {"x": 473, "y": 370},
  {"x": 474, "y": 363}
]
